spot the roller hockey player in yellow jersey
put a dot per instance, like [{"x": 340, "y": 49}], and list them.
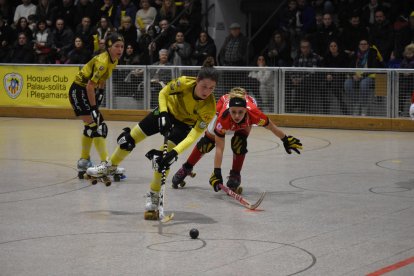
[
  {"x": 86, "y": 94},
  {"x": 186, "y": 106}
]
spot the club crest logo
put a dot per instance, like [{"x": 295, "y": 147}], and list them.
[{"x": 13, "y": 84}]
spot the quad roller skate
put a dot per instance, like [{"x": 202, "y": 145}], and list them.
[
  {"x": 233, "y": 182},
  {"x": 180, "y": 175},
  {"x": 151, "y": 206},
  {"x": 83, "y": 165},
  {"x": 102, "y": 172}
]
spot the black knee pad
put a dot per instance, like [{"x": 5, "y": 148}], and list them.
[
  {"x": 205, "y": 144},
  {"x": 88, "y": 131},
  {"x": 101, "y": 131},
  {"x": 125, "y": 140},
  {"x": 239, "y": 144}
]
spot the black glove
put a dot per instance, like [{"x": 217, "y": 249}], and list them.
[
  {"x": 291, "y": 143},
  {"x": 216, "y": 179},
  {"x": 96, "y": 115},
  {"x": 164, "y": 123},
  {"x": 99, "y": 95},
  {"x": 166, "y": 162}
]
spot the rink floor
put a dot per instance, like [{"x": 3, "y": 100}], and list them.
[{"x": 345, "y": 206}]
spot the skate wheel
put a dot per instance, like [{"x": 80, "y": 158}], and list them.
[
  {"x": 151, "y": 215},
  {"x": 174, "y": 186},
  {"x": 117, "y": 178},
  {"x": 107, "y": 181},
  {"x": 86, "y": 176},
  {"x": 182, "y": 184},
  {"x": 239, "y": 190},
  {"x": 81, "y": 175},
  {"x": 192, "y": 174},
  {"x": 94, "y": 181}
]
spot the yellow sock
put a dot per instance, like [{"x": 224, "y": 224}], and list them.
[
  {"x": 120, "y": 154},
  {"x": 156, "y": 180},
  {"x": 100, "y": 145},
  {"x": 86, "y": 147}
]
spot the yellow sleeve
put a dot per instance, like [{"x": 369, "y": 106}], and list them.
[
  {"x": 163, "y": 98},
  {"x": 189, "y": 140},
  {"x": 99, "y": 71},
  {"x": 175, "y": 86}
]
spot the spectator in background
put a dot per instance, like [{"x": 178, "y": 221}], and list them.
[
  {"x": 79, "y": 53},
  {"x": 24, "y": 10},
  {"x": 145, "y": 17},
  {"x": 287, "y": 23},
  {"x": 130, "y": 57},
  {"x": 6, "y": 39},
  {"x": 266, "y": 84},
  {"x": 44, "y": 11},
  {"x": 163, "y": 40},
  {"x": 334, "y": 80},
  {"x": 404, "y": 36},
  {"x": 22, "y": 51},
  {"x": 305, "y": 17},
  {"x": 167, "y": 11},
  {"x": 125, "y": 8},
  {"x": 368, "y": 12},
  {"x": 107, "y": 9},
  {"x": 67, "y": 11},
  {"x": 180, "y": 51},
  {"x": 327, "y": 33},
  {"x": 144, "y": 44},
  {"x": 103, "y": 29},
  {"x": 22, "y": 26},
  {"x": 159, "y": 77},
  {"x": 234, "y": 49},
  {"x": 278, "y": 51},
  {"x": 43, "y": 40},
  {"x": 406, "y": 80},
  {"x": 352, "y": 33},
  {"x": 190, "y": 20},
  {"x": 204, "y": 47},
  {"x": 128, "y": 31},
  {"x": 85, "y": 31},
  {"x": 381, "y": 35},
  {"x": 359, "y": 87},
  {"x": 85, "y": 8},
  {"x": 7, "y": 12},
  {"x": 62, "y": 41},
  {"x": 101, "y": 47},
  {"x": 347, "y": 9},
  {"x": 304, "y": 85}
]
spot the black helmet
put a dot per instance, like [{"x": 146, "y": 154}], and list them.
[{"x": 113, "y": 38}]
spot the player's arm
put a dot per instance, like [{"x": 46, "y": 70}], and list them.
[
  {"x": 289, "y": 142},
  {"x": 275, "y": 130},
  {"x": 90, "y": 89}
]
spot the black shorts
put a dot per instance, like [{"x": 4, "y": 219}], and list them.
[
  {"x": 149, "y": 125},
  {"x": 78, "y": 97}
]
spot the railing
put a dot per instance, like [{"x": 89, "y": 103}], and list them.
[{"x": 324, "y": 91}]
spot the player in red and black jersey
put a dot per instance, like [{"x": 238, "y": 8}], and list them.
[{"x": 235, "y": 112}]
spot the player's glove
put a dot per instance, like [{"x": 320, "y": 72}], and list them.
[
  {"x": 164, "y": 123},
  {"x": 99, "y": 95},
  {"x": 291, "y": 143},
  {"x": 167, "y": 160},
  {"x": 412, "y": 111},
  {"x": 96, "y": 115},
  {"x": 216, "y": 179}
]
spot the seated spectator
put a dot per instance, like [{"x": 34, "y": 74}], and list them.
[
  {"x": 79, "y": 53},
  {"x": 304, "y": 85},
  {"x": 305, "y": 17},
  {"x": 334, "y": 81},
  {"x": 168, "y": 11},
  {"x": 62, "y": 41},
  {"x": 6, "y": 39},
  {"x": 108, "y": 10},
  {"x": 234, "y": 49},
  {"x": 203, "y": 48},
  {"x": 22, "y": 26},
  {"x": 130, "y": 57},
  {"x": 44, "y": 11},
  {"x": 266, "y": 84},
  {"x": 85, "y": 31},
  {"x": 163, "y": 40},
  {"x": 287, "y": 23},
  {"x": 159, "y": 77},
  {"x": 404, "y": 36},
  {"x": 145, "y": 45},
  {"x": 22, "y": 51},
  {"x": 359, "y": 87},
  {"x": 180, "y": 51},
  {"x": 381, "y": 34},
  {"x": 103, "y": 29},
  {"x": 101, "y": 47},
  {"x": 406, "y": 80},
  {"x": 125, "y": 8},
  {"x": 43, "y": 41},
  {"x": 128, "y": 31},
  {"x": 277, "y": 52},
  {"x": 7, "y": 12},
  {"x": 145, "y": 17},
  {"x": 67, "y": 11},
  {"x": 352, "y": 33},
  {"x": 190, "y": 20},
  {"x": 24, "y": 10},
  {"x": 85, "y": 8},
  {"x": 368, "y": 12},
  {"x": 327, "y": 33}
]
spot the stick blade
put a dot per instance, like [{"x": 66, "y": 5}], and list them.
[
  {"x": 167, "y": 218},
  {"x": 254, "y": 206}
]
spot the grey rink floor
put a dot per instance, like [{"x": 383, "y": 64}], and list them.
[{"x": 345, "y": 206}]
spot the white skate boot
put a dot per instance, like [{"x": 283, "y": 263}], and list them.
[
  {"x": 83, "y": 165},
  {"x": 100, "y": 172},
  {"x": 118, "y": 174},
  {"x": 151, "y": 206}
]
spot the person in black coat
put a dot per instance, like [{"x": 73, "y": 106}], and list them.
[
  {"x": 204, "y": 47},
  {"x": 22, "y": 51}
]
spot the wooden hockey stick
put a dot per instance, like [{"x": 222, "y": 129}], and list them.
[
  {"x": 163, "y": 216},
  {"x": 242, "y": 200}
]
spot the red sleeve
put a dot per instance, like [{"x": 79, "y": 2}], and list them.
[
  {"x": 220, "y": 104},
  {"x": 258, "y": 117}
]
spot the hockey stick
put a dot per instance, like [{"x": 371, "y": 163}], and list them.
[
  {"x": 164, "y": 217},
  {"x": 242, "y": 200}
]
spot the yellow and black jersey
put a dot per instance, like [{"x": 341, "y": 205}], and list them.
[
  {"x": 98, "y": 70},
  {"x": 177, "y": 97}
]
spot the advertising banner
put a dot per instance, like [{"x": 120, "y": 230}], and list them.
[{"x": 36, "y": 86}]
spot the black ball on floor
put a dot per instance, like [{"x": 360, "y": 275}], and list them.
[{"x": 194, "y": 233}]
